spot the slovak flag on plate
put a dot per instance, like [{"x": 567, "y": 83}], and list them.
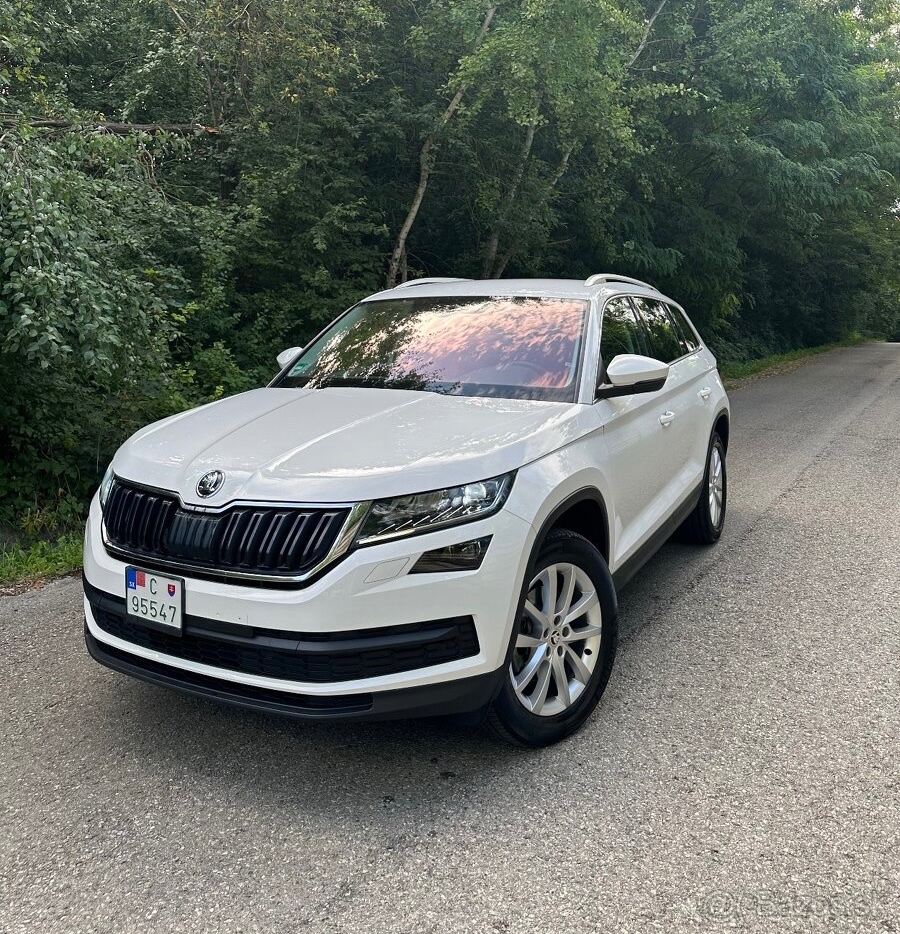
[
  {"x": 171, "y": 589},
  {"x": 135, "y": 578}
]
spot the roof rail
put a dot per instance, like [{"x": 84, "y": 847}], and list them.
[
  {"x": 430, "y": 280},
  {"x": 601, "y": 277}
]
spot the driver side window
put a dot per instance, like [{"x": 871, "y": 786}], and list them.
[{"x": 620, "y": 332}]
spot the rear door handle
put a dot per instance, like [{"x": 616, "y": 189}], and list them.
[
  {"x": 704, "y": 392},
  {"x": 666, "y": 419}
]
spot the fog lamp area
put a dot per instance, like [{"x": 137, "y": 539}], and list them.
[{"x": 466, "y": 556}]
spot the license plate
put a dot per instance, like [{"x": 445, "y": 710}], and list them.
[{"x": 154, "y": 599}]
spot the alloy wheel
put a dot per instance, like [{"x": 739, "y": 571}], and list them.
[
  {"x": 558, "y": 642},
  {"x": 716, "y": 486}
]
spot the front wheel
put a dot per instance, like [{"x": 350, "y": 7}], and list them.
[{"x": 563, "y": 645}]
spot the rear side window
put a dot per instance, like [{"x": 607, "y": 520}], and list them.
[
  {"x": 685, "y": 331},
  {"x": 621, "y": 332},
  {"x": 665, "y": 340}
]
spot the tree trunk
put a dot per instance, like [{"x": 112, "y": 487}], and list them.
[
  {"x": 554, "y": 181},
  {"x": 426, "y": 163},
  {"x": 643, "y": 43},
  {"x": 490, "y": 256},
  {"x": 500, "y": 267}
]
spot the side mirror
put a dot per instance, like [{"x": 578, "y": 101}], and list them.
[
  {"x": 629, "y": 373},
  {"x": 285, "y": 357}
]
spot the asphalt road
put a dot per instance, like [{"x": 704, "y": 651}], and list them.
[{"x": 740, "y": 773}]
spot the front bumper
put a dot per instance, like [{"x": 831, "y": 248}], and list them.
[
  {"x": 366, "y": 593},
  {"x": 459, "y": 696}
]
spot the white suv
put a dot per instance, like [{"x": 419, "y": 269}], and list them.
[{"x": 426, "y": 512}]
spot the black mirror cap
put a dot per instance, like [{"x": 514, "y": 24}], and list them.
[{"x": 608, "y": 391}]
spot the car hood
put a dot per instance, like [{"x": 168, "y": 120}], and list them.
[{"x": 343, "y": 444}]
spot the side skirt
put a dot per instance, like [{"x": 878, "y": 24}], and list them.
[{"x": 622, "y": 575}]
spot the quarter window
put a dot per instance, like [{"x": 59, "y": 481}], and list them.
[
  {"x": 688, "y": 338},
  {"x": 665, "y": 341}
]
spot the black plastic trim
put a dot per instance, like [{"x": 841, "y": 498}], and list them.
[
  {"x": 585, "y": 494},
  {"x": 723, "y": 413},
  {"x": 459, "y": 696},
  {"x": 608, "y": 391}
]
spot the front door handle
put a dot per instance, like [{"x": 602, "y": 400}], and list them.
[
  {"x": 666, "y": 419},
  {"x": 704, "y": 392}
]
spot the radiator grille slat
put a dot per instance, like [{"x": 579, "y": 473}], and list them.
[
  {"x": 251, "y": 539},
  {"x": 294, "y": 538},
  {"x": 275, "y": 535}
]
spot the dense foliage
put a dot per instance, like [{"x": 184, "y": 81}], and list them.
[{"x": 744, "y": 154}]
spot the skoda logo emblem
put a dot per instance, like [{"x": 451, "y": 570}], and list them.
[{"x": 210, "y": 483}]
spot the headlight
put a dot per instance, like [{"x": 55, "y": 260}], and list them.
[
  {"x": 425, "y": 512},
  {"x": 106, "y": 485}
]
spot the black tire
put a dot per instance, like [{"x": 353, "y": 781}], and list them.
[
  {"x": 700, "y": 528},
  {"x": 507, "y": 717}
]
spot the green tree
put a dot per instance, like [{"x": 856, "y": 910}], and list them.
[{"x": 744, "y": 154}]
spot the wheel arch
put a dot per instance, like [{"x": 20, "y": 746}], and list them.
[
  {"x": 583, "y": 512},
  {"x": 722, "y": 427}
]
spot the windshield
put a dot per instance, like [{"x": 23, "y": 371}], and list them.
[{"x": 514, "y": 348}]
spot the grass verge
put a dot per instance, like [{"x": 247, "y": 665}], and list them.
[
  {"x": 736, "y": 371},
  {"x": 41, "y": 559}
]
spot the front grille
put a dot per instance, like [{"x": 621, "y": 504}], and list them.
[
  {"x": 276, "y": 541},
  {"x": 319, "y": 658}
]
